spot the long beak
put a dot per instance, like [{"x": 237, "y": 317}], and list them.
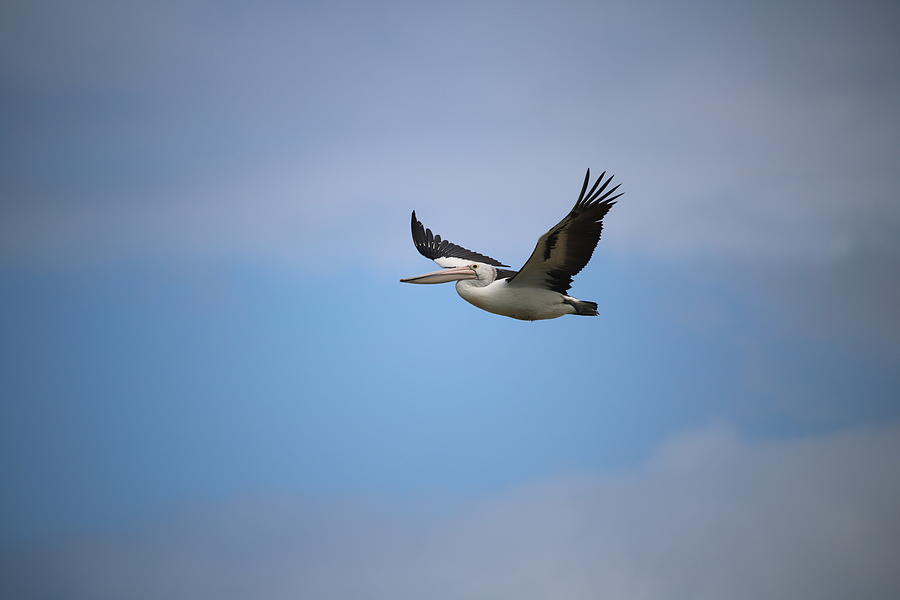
[{"x": 443, "y": 276}]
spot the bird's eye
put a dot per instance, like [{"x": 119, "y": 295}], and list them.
[{"x": 474, "y": 266}]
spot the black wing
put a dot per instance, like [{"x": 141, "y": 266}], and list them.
[
  {"x": 564, "y": 250},
  {"x": 433, "y": 247}
]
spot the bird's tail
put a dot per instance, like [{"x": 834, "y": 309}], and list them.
[{"x": 583, "y": 307}]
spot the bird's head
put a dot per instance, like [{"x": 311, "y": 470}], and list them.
[{"x": 480, "y": 271}]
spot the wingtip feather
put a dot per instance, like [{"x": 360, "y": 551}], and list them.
[{"x": 587, "y": 179}]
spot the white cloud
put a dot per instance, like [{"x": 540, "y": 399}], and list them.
[{"x": 708, "y": 516}]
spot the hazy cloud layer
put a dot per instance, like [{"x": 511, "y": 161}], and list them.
[
  {"x": 769, "y": 132},
  {"x": 708, "y": 516},
  {"x": 757, "y": 142}
]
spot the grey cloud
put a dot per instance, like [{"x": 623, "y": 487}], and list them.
[
  {"x": 759, "y": 133},
  {"x": 763, "y": 138},
  {"x": 708, "y": 516}
]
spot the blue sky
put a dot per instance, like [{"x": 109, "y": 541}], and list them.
[{"x": 207, "y": 354}]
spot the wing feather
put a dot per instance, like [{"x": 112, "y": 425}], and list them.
[
  {"x": 566, "y": 248},
  {"x": 433, "y": 247}
]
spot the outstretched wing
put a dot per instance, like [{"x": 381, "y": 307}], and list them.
[
  {"x": 564, "y": 250},
  {"x": 443, "y": 252}
]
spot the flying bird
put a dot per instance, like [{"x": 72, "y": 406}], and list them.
[{"x": 539, "y": 290}]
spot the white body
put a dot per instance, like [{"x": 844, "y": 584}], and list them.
[
  {"x": 477, "y": 283},
  {"x": 527, "y": 304}
]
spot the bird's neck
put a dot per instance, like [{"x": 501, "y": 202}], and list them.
[{"x": 467, "y": 284}]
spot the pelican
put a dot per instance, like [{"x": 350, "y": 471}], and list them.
[{"x": 539, "y": 290}]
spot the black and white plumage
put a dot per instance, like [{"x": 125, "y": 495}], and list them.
[
  {"x": 433, "y": 247},
  {"x": 539, "y": 289},
  {"x": 446, "y": 253},
  {"x": 562, "y": 252}
]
